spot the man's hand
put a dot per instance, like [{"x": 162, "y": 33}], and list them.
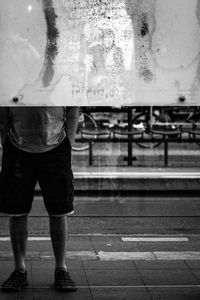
[
  {"x": 72, "y": 117},
  {"x": 4, "y": 123},
  {"x": 1, "y": 147}
]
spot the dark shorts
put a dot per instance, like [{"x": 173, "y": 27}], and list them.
[{"x": 21, "y": 171}]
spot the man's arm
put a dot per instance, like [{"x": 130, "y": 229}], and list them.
[
  {"x": 72, "y": 117},
  {"x": 4, "y": 123}
]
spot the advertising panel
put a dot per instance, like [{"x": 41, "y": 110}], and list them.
[{"x": 99, "y": 52}]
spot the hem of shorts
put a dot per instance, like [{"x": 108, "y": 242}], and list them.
[
  {"x": 13, "y": 215},
  {"x": 62, "y": 215}
]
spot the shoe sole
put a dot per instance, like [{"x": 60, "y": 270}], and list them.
[{"x": 68, "y": 289}]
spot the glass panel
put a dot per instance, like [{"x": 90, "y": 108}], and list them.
[{"x": 99, "y": 53}]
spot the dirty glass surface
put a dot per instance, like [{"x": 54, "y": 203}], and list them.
[{"x": 99, "y": 53}]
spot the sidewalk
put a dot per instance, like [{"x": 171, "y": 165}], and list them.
[
  {"x": 94, "y": 178},
  {"x": 106, "y": 267}
]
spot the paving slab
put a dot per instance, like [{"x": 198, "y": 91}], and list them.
[
  {"x": 170, "y": 293},
  {"x": 27, "y": 294},
  {"x": 125, "y": 293},
  {"x": 113, "y": 278},
  {"x": 196, "y": 273},
  {"x": 160, "y": 265},
  {"x": 51, "y": 294},
  {"x": 99, "y": 279},
  {"x": 111, "y": 265},
  {"x": 168, "y": 277},
  {"x": 193, "y": 264}
]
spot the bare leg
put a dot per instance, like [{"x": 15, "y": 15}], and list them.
[
  {"x": 58, "y": 231},
  {"x": 18, "y": 235}
]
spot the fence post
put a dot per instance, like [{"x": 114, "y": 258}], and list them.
[
  {"x": 90, "y": 154},
  {"x": 165, "y": 153}
]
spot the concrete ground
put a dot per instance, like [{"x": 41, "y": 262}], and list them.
[
  {"x": 112, "y": 267},
  {"x": 130, "y": 247}
]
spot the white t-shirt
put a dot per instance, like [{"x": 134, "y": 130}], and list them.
[{"x": 37, "y": 129}]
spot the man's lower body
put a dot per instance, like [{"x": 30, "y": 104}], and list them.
[{"x": 20, "y": 173}]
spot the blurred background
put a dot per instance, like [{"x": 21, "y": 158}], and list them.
[{"x": 138, "y": 136}]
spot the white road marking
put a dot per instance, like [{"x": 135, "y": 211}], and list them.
[
  {"x": 125, "y": 238},
  {"x": 71, "y": 255},
  {"x": 34, "y": 239},
  {"x": 85, "y": 255},
  {"x": 110, "y": 175},
  {"x": 183, "y": 255},
  {"x": 155, "y": 239},
  {"x": 114, "y": 256}
]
